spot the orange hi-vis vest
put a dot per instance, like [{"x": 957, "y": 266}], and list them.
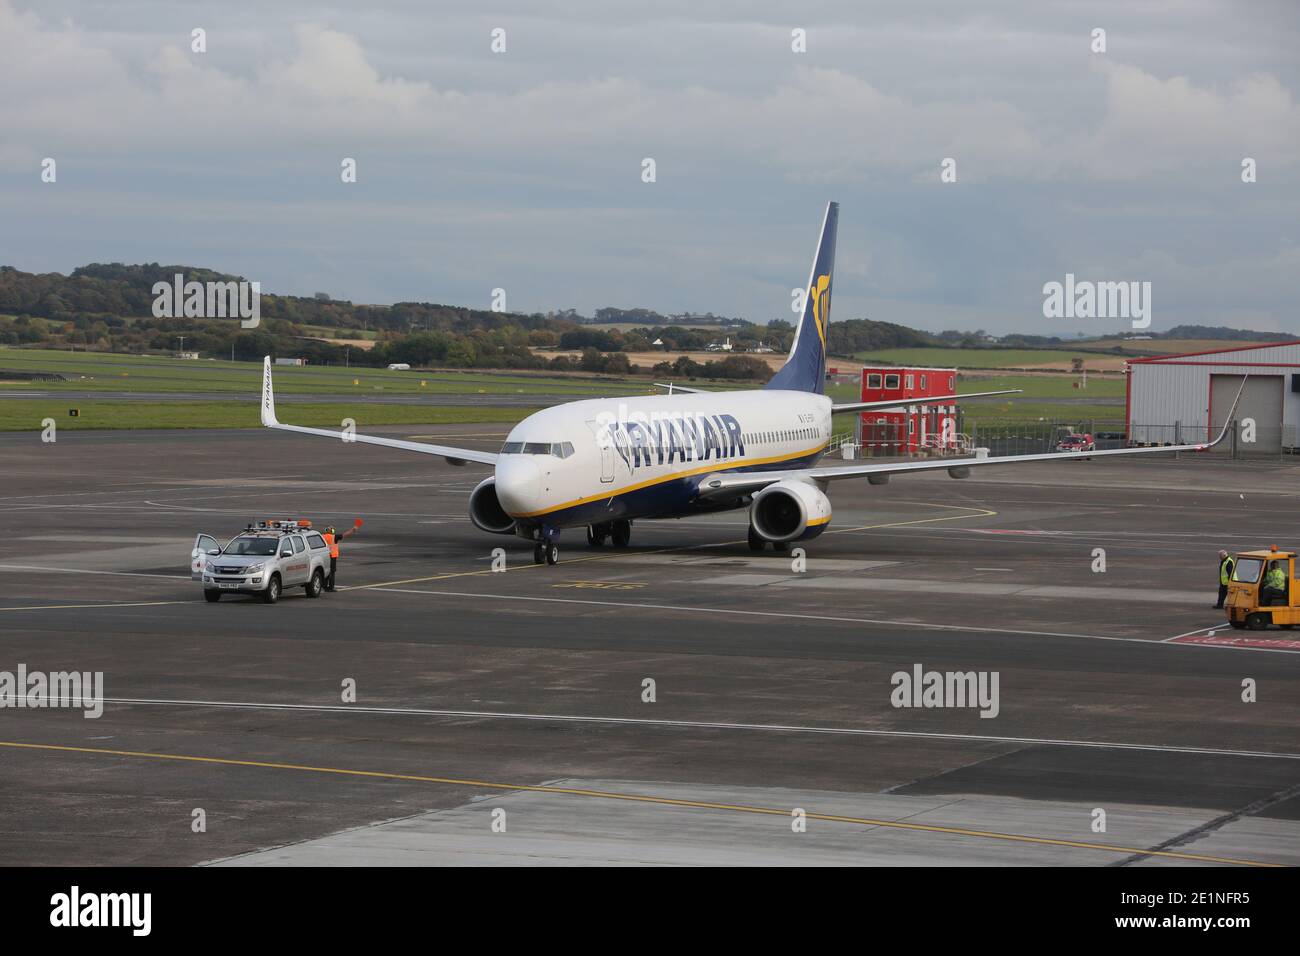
[{"x": 334, "y": 545}]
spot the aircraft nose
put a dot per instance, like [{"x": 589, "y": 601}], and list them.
[{"x": 519, "y": 484}]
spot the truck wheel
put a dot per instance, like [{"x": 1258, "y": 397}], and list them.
[
  {"x": 316, "y": 585},
  {"x": 1257, "y": 621},
  {"x": 272, "y": 592},
  {"x": 211, "y": 596}
]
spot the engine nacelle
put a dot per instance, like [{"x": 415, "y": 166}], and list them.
[
  {"x": 485, "y": 509},
  {"x": 790, "y": 511}
]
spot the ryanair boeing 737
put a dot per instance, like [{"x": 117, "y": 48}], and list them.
[{"x": 601, "y": 464}]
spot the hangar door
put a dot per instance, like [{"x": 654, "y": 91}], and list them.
[{"x": 1261, "y": 401}]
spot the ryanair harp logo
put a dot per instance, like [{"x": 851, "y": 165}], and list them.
[{"x": 820, "y": 297}]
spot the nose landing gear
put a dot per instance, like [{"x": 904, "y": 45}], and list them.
[{"x": 547, "y": 550}]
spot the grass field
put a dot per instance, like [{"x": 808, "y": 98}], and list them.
[
  {"x": 148, "y": 373},
  {"x": 27, "y": 414},
  {"x": 1045, "y": 396},
  {"x": 986, "y": 358},
  {"x": 1170, "y": 346}
]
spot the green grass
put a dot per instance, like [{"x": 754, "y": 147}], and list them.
[
  {"x": 27, "y": 414},
  {"x": 1046, "y": 386},
  {"x": 1034, "y": 388},
  {"x": 100, "y": 371},
  {"x": 975, "y": 358},
  {"x": 1047, "y": 411}
]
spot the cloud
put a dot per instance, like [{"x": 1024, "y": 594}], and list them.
[{"x": 530, "y": 161}]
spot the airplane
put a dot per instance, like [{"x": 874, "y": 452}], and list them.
[{"x": 601, "y": 464}]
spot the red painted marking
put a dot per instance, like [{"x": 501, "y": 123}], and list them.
[{"x": 1238, "y": 640}]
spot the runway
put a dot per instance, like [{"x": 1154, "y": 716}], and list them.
[{"x": 525, "y": 690}]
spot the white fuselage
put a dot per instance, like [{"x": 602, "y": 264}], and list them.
[{"x": 586, "y": 462}]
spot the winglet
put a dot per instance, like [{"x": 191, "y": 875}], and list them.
[
  {"x": 268, "y": 395},
  {"x": 1227, "y": 421}
]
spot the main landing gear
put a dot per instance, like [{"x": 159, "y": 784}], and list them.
[
  {"x": 620, "y": 532},
  {"x": 757, "y": 542}
]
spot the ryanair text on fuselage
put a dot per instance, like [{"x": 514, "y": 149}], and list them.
[{"x": 642, "y": 439}]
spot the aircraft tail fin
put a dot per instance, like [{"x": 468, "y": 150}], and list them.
[{"x": 805, "y": 369}]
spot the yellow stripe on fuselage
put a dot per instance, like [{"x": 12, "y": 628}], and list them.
[{"x": 615, "y": 492}]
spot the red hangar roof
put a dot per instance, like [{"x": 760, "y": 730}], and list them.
[{"x": 1239, "y": 348}]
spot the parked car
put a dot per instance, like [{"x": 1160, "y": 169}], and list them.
[{"x": 1077, "y": 442}]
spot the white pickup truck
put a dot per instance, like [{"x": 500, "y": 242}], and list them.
[{"x": 264, "y": 559}]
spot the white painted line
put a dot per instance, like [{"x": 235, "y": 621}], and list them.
[
  {"x": 1154, "y": 642},
  {"x": 703, "y": 725},
  {"x": 991, "y": 569},
  {"x": 128, "y": 574},
  {"x": 1199, "y": 630}
]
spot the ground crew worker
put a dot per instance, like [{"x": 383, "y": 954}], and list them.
[
  {"x": 1226, "y": 564},
  {"x": 1274, "y": 585},
  {"x": 332, "y": 538}
]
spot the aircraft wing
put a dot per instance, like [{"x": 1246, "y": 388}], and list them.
[
  {"x": 917, "y": 400},
  {"x": 455, "y": 456},
  {"x": 731, "y": 484}
]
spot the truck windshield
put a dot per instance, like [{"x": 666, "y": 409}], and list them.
[
  {"x": 263, "y": 547},
  {"x": 1247, "y": 570}
]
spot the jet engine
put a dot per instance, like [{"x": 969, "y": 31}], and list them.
[
  {"x": 790, "y": 511},
  {"x": 485, "y": 509}
]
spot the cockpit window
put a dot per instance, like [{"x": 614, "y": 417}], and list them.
[{"x": 560, "y": 449}]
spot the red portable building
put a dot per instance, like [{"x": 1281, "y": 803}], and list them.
[{"x": 915, "y": 423}]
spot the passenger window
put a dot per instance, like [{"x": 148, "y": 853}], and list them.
[
  {"x": 922, "y": 383},
  {"x": 909, "y": 381},
  {"x": 950, "y": 385},
  {"x": 286, "y": 548},
  {"x": 316, "y": 541},
  {"x": 298, "y": 546},
  {"x": 891, "y": 381},
  {"x": 873, "y": 380}
]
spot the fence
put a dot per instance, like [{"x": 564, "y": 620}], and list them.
[{"x": 1244, "y": 441}]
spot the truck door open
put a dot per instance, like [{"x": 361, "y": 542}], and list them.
[{"x": 203, "y": 543}]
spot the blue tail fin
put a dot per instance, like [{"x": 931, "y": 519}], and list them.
[{"x": 805, "y": 369}]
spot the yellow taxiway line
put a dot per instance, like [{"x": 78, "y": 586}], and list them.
[
  {"x": 610, "y": 556},
  {"x": 647, "y": 798}
]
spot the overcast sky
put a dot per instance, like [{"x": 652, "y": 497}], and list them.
[{"x": 522, "y": 170}]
